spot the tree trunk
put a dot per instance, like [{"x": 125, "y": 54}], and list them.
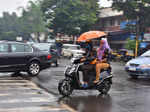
[
  {"x": 38, "y": 37},
  {"x": 46, "y": 37}
]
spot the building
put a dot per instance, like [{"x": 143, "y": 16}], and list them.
[{"x": 110, "y": 22}]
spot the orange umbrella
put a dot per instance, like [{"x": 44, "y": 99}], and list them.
[{"x": 91, "y": 35}]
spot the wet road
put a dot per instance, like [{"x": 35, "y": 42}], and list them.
[
  {"x": 20, "y": 95},
  {"x": 126, "y": 95}
]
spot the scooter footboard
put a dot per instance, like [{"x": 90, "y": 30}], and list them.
[{"x": 108, "y": 78}]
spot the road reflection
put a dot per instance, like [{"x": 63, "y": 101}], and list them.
[{"x": 100, "y": 103}]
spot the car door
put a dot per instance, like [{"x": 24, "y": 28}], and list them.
[
  {"x": 5, "y": 64},
  {"x": 18, "y": 56},
  {"x": 28, "y": 54}
]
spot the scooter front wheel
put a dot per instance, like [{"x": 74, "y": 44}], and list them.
[{"x": 65, "y": 88}]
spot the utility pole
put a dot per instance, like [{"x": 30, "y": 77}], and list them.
[
  {"x": 137, "y": 26},
  {"x": 137, "y": 36}
]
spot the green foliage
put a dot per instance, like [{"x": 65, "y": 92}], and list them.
[
  {"x": 131, "y": 44},
  {"x": 9, "y": 26},
  {"x": 31, "y": 21},
  {"x": 70, "y": 16}
]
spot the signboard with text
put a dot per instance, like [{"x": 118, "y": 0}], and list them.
[{"x": 146, "y": 37}]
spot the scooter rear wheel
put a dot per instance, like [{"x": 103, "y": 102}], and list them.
[
  {"x": 65, "y": 88},
  {"x": 104, "y": 87}
]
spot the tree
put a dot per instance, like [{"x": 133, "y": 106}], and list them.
[
  {"x": 9, "y": 26},
  {"x": 130, "y": 44},
  {"x": 70, "y": 17},
  {"x": 33, "y": 21},
  {"x": 135, "y": 10}
]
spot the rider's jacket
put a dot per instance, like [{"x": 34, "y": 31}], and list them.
[
  {"x": 91, "y": 57},
  {"x": 106, "y": 55}
]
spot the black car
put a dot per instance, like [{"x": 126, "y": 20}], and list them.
[
  {"x": 17, "y": 57},
  {"x": 48, "y": 47}
]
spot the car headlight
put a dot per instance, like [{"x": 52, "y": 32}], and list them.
[
  {"x": 127, "y": 64},
  {"x": 145, "y": 66}
]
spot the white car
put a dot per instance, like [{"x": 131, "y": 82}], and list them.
[{"x": 72, "y": 50}]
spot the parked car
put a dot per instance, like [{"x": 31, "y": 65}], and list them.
[
  {"x": 48, "y": 47},
  {"x": 139, "y": 66},
  {"x": 71, "y": 50},
  {"x": 17, "y": 57}
]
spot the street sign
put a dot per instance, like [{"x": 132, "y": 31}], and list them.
[{"x": 146, "y": 37}]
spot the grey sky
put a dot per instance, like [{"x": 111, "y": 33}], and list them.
[{"x": 13, "y": 5}]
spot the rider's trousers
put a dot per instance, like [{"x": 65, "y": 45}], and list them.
[{"x": 99, "y": 67}]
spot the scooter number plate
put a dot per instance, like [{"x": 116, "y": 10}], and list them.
[{"x": 132, "y": 69}]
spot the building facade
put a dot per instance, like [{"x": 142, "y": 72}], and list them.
[{"x": 110, "y": 22}]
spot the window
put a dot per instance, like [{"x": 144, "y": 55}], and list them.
[
  {"x": 17, "y": 48},
  {"x": 112, "y": 22},
  {"x": 71, "y": 47},
  {"x": 42, "y": 47},
  {"x": 4, "y": 48},
  {"x": 28, "y": 48}
]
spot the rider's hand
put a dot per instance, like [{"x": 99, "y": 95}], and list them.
[
  {"x": 83, "y": 59},
  {"x": 104, "y": 60}
]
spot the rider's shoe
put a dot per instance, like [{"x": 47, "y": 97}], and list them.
[
  {"x": 85, "y": 85},
  {"x": 96, "y": 81}
]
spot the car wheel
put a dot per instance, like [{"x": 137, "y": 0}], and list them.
[
  {"x": 134, "y": 76},
  {"x": 34, "y": 68}
]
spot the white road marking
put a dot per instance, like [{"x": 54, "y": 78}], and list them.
[
  {"x": 30, "y": 100},
  {"x": 18, "y": 88},
  {"x": 4, "y": 94},
  {"x": 19, "y": 93},
  {"x": 32, "y": 109},
  {"x": 15, "y": 84},
  {"x": 14, "y": 80},
  {"x": 12, "y": 87}
]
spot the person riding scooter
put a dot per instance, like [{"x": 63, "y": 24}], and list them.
[
  {"x": 87, "y": 59},
  {"x": 102, "y": 58}
]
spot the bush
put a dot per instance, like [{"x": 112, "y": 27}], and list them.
[{"x": 131, "y": 44}]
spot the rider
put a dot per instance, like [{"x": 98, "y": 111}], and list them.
[
  {"x": 102, "y": 61},
  {"x": 88, "y": 47},
  {"x": 89, "y": 56}
]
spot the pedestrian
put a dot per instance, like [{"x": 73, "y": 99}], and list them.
[{"x": 59, "y": 48}]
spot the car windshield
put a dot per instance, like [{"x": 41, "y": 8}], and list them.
[
  {"x": 72, "y": 47},
  {"x": 146, "y": 54},
  {"x": 42, "y": 47}
]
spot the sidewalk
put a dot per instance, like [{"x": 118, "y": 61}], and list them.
[{"x": 19, "y": 95}]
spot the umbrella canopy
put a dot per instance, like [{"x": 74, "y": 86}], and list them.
[{"x": 91, "y": 35}]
